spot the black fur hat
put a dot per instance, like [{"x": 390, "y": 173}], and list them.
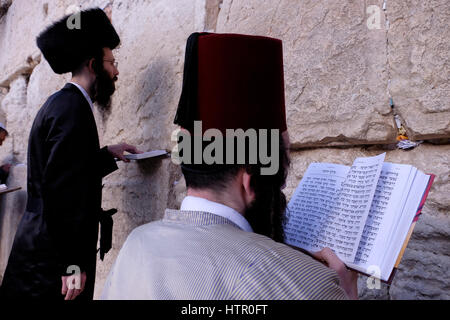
[{"x": 66, "y": 46}]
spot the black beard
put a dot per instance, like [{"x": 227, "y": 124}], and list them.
[
  {"x": 103, "y": 89},
  {"x": 266, "y": 214}
]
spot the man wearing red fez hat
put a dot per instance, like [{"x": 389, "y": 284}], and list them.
[
  {"x": 225, "y": 242},
  {"x": 55, "y": 247}
]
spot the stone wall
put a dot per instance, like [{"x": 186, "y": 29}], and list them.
[{"x": 340, "y": 73}]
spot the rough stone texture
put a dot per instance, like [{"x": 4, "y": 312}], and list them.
[
  {"x": 419, "y": 62},
  {"x": 151, "y": 60},
  {"x": 212, "y": 13},
  {"x": 18, "y": 30},
  {"x": 364, "y": 293},
  {"x": 12, "y": 207},
  {"x": 26, "y": 95},
  {"x": 42, "y": 83},
  {"x": 15, "y": 106},
  {"x": 336, "y": 73},
  {"x": 3, "y": 93},
  {"x": 423, "y": 271},
  {"x": 335, "y": 67}
]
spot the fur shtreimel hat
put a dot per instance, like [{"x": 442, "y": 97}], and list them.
[{"x": 65, "y": 45}]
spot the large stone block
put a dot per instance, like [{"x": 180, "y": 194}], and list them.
[
  {"x": 151, "y": 59},
  {"x": 335, "y": 67},
  {"x": 422, "y": 275},
  {"x": 419, "y": 63},
  {"x": 3, "y": 93},
  {"x": 18, "y": 30},
  {"x": 423, "y": 271},
  {"x": 12, "y": 207},
  {"x": 42, "y": 83},
  {"x": 25, "y": 97},
  {"x": 14, "y": 105},
  {"x": 430, "y": 159}
]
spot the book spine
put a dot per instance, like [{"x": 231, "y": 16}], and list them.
[
  {"x": 416, "y": 217},
  {"x": 424, "y": 197}
]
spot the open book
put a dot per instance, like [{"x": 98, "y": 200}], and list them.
[
  {"x": 365, "y": 213},
  {"x": 5, "y": 189},
  {"x": 146, "y": 155}
]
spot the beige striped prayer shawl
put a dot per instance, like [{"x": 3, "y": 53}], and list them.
[{"x": 199, "y": 255}]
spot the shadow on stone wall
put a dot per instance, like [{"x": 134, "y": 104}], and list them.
[{"x": 12, "y": 207}]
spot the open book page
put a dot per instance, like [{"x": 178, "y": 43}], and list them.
[
  {"x": 349, "y": 213},
  {"x": 330, "y": 206},
  {"x": 403, "y": 225},
  {"x": 307, "y": 212},
  {"x": 385, "y": 211}
]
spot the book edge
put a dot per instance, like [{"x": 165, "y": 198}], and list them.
[
  {"x": 411, "y": 229},
  {"x": 137, "y": 156}
]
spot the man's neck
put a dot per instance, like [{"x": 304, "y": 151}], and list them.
[
  {"x": 84, "y": 83},
  {"x": 212, "y": 196}
]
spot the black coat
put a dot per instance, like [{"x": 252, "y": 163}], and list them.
[{"x": 60, "y": 225}]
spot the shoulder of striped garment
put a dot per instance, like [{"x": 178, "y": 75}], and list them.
[
  {"x": 278, "y": 272},
  {"x": 267, "y": 270}
]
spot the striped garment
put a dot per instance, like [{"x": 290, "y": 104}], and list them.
[{"x": 199, "y": 255}]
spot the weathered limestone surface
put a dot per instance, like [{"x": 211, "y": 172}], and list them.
[
  {"x": 43, "y": 82},
  {"x": 18, "y": 30},
  {"x": 151, "y": 60},
  {"x": 12, "y": 207},
  {"x": 335, "y": 67},
  {"x": 423, "y": 272},
  {"x": 419, "y": 63},
  {"x": 14, "y": 105},
  {"x": 3, "y": 93},
  {"x": 337, "y": 73},
  {"x": 26, "y": 95}
]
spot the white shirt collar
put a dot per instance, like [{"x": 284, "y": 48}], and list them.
[
  {"x": 85, "y": 94},
  {"x": 191, "y": 203}
]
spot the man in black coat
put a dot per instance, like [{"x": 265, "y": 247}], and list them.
[{"x": 55, "y": 247}]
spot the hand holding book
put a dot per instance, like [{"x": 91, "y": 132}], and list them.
[
  {"x": 348, "y": 279},
  {"x": 363, "y": 212}
]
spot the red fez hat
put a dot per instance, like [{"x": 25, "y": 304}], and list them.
[{"x": 232, "y": 81}]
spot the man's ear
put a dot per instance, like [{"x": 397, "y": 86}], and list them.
[
  {"x": 249, "y": 193},
  {"x": 91, "y": 65}
]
